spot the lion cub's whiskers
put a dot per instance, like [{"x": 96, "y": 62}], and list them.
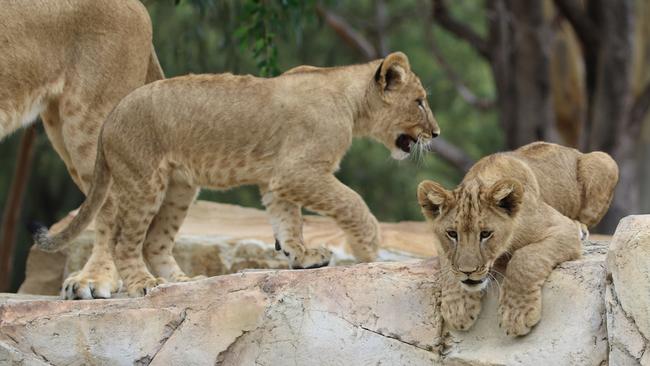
[
  {"x": 494, "y": 280},
  {"x": 418, "y": 151}
]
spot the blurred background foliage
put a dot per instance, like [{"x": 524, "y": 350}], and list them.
[{"x": 453, "y": 46}]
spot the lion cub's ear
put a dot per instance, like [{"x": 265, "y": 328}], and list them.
[
  {"x": 392, "y": 72},
  {"x": 432, "y": 198},
  {"x": 506, "y": 194}
]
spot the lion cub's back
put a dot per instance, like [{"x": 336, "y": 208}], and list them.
[{"x": 556, "y": 170}]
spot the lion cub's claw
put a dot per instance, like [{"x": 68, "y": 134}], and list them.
[
  {"x": 312, "y": 258},
  {"x": 143, "y": 287},
  {"x": 518, "y": 315},
  {"x": 79, "y": 286}
]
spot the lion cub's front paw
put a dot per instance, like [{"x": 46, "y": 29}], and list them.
[
  {"x": 311, "y": 258},
  {"x": 460, "y": 311},
  {"x": 519, "y": 311},
  {"x": 144, "y": 286},
  {"x": 82, "y": 285}
]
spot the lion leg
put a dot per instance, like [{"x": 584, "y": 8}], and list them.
[
  {"x": 520, "y": 301},
  {"x": 459, "y": 308},
  {"x": 597, "y": 175},
  {"x": 54, "y": 129},
  {"x": 159, "y": 244},
  {"x": 137, "y": 205},
  {"x": 98, "y": 278},
  {"x": 327, "y": 196},
  {"x": 286, "y": 220}
]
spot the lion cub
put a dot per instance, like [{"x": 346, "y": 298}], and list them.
[
  {"x": 531, "y": 205},
  {"x": 286, "y": 135}
]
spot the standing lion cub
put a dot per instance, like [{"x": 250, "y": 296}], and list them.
[
  {"x": 531, "y": 204},
  {"x": 286, "y": 135}
]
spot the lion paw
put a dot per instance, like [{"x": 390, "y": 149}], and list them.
[
  {"x": 311, "y": 258},
  {"x": 520, "y": 312},
  {"x": 81, "y": 285},
  {"x": 144, "y": 286},
  {"x": 460, "y": 312}
]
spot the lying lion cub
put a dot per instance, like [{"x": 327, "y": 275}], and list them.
[
  {"x": 286, "y": 135},
  {"x": 530, "y": 204}
]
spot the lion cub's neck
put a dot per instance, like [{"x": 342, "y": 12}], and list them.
[{"x": 349, "y": 87}]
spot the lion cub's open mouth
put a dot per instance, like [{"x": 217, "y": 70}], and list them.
[
  {"x": 404, "y": 142},
  {"x": 474, "y": 285}
]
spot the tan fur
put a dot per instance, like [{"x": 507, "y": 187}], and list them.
[
  {"x": 286, "y": 135},
  {"x": 71, "y": 62},
  {"x": 532, "y": 205}
]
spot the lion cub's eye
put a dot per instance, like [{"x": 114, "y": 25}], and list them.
[
  {"x": 420, "y": 103},
  {"x": 485, "y": 234},
  {"x": 452, "y": 234}
]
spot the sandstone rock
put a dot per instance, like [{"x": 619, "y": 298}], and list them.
[
  {"x": 218, "y": 239},
  {"x": 628, "y": 292},
  {"x": 368, "y": 314}
]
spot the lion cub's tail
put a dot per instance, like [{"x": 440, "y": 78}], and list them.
[{"x": 88, "y": 210}]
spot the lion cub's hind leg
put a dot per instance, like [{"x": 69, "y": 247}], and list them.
[
  {"x": 137, "y": 204},
  {"x": 159, "y": 243},
  {"x": 286, "y": 220},
  {"x": 598, "y": 175}
]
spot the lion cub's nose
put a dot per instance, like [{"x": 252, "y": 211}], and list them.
[{"x": 468, "y": 271}]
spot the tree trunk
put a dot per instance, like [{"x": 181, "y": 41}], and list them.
[
  {"x": 13, "y": 207},
  {"x": 520, "y": 41},
  {"x": 501, "y": 54},
  {"x": 532, "y": 45},
  {"x": 611, "y": 130}
]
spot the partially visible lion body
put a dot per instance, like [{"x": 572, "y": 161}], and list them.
[
  {"x": 286, "y": 135},
  {"x": 577, "y": 185},
  {"x": 554, "y": 178},
  {"x": 71, "y": 62},
  {"x": 532, "y": 206}
]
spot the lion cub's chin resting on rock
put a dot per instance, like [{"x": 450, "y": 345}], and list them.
[
  {"x": 530, "y": 206},
  {"x": 286, "y": 135}
]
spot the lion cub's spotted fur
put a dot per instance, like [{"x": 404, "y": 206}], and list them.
[
  {"x": 530, "y": 205},
  {"x": 286, "y": 134},
  {"x": 71, "y": 62}
]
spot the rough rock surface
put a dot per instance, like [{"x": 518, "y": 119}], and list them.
[
  {"x": 628, "y": 292},
  {"x": 368, "y": 314},
  {"x": 218, "y": 239}
]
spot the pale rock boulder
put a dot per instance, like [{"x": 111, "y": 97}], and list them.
[
  {"x": 628, "y": 293},
  {"x": 367, "y": 314},
  {"x": 218, "y": 239}
]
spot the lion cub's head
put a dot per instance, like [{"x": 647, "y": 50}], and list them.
[
  {"x": 401, "y": 117},
  {"x": 474, "y": 224}
]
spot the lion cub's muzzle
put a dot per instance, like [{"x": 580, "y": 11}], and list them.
[
  {"x": 406, "y": 142},
  {"x": 472, "y": 281}
]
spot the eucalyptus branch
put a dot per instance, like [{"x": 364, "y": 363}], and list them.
[{"x": 460, "y": 30}]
